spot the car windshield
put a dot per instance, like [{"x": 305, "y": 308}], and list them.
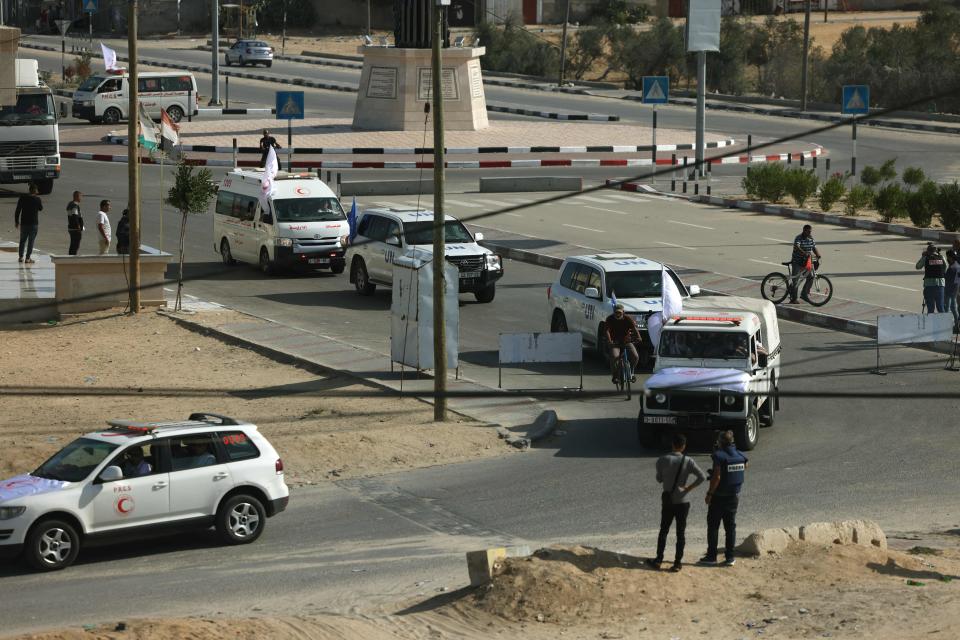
[
  {"x": 75, "y": 461},
  {"x": 91, "y": 83},
  {"x": 638, "y": 284},
  {"x": 31, "y": 108},
  {"x": 308, "y": 210},
  {"x": 422, "y": 232},
  {"x": 704, "y": 344}
]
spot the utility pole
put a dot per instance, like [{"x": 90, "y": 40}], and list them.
[
  {"x": 215, "y": 62},
  {"x": 563, "y": 45},
  {"x": 439, "y": 248},
  {"x": 133, "y": 162},
  {"x": 804, "y": 83},
  {"x": 701, "y": 109},
  {"x": 283, "y": 38},
  {"x": 368, "y": 17}
]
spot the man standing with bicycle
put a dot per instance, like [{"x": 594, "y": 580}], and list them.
[
  {"x": 622, "y": 332},
  {"x": 804, "y": 247}
]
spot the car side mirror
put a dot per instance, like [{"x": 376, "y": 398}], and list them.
[
  {"x": 111, "y": 474},
  {"x": 394, "y": 241},
  {"x": 477, "y": 237},
  {"x": 592, "y": 292},
  {"x": 266, "y": 218},
  {"x": 762, "y": 360},
  {"x": 694, "y": 290}
]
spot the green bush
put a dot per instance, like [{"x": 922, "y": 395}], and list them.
[
  {"x": 858, "y": 198},
  {"x": 948, "y": 205},
  {"x": 870, "y": 176},
  {"x": 301, "y": 14},
  {"x": 618, "y": 12},
  {"x": 766, "y": 182},
  {"x": 82, "y": 66},
  {"x": 658, "y": 51},
  {"x": 513, "y": 49},
  {"x": 913, "y": 176},
  {"x": 832, "y": 191},
  {"x": 800, "y": 184},
  {"x": 891, "y": 202},
  {"x": 585, "y": 49},
  {"x": 922, "y": 203}
]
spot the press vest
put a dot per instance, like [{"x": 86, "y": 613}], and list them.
[
  {"x": 731, "y": 464},
  {"x": 935, "y": 267}
]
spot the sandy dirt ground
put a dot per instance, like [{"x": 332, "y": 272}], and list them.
[{"x": 97, "y": 367}]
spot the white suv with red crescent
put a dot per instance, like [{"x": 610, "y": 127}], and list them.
[{"x": 136, "y": 477}]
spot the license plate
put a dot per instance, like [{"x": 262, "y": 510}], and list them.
[
  {"x": 319, "y": 261},
  {"x": 467, "y": 275},
  {"x": 16, "y": 177},
  {"x": 660, "y": 419}
]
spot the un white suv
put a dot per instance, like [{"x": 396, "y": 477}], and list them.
[
  {"x": 583, "y": 295},
  {"x": 386, "y": 234},
  {"x": 209, "y": 470}
]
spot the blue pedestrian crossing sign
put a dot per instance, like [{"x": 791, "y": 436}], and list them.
[
  {"x": 90, "y": 6},
  {"x": 656, "y": 89},
  {"x": 289, "y": 105},
  {"x": 856, "y": 99}
]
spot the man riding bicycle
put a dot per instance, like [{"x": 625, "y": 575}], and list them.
[
  {"x": 804, "y": 248},
  {"x": 622, "y": 331}
]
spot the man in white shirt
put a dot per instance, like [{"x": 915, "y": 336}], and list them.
[{"x": 103, "y": 226}]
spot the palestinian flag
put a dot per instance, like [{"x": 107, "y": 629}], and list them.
[{"x": 147, "y": 131}]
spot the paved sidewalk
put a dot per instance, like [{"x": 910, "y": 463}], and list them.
[{"x": 26, "y": 290}]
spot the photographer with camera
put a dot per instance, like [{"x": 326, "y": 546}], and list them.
[
  {"x": 723, "y": 497},
  {"x": 934, "y": 271}
]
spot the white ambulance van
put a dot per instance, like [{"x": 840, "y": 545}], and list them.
[
  {"x": 104, "y": 97},
  {"x": 303, "y": 228}
]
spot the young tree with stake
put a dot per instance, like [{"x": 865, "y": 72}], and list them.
[{"x": 191, "y": 193}]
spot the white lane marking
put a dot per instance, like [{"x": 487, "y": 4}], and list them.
[
  {"x": 690, "y": 224},
  {"x": 890, "y": 259},
  {"x": 776, "y": 240},
  {"x": 494, "y": 203},
  {"x": 461, "y": 203},
  {"x": 591, "y": 199},
  {"x": 619, "y": 196},
  {"x": 776, "y": 264},
  {"x": 619, "y": 213},
  {"x": 892, "y": 286},
  {"x": 573, "y": 226},
  {"x": 513, "y": 215},
  {"x": 678, "y": 246}
]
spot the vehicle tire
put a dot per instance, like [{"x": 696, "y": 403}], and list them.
[
  {"x": 748, "y": 433},
  {"x": 269, "y": 64},
  {"x": 821, "y": 291},
  {"x": 240, "y": 519},
  {"x": 175, "y": 113},
  {"x": 647, "y": 435},
  {"x": 266, "y": 267},
  {"x": 225, "y": 254},
  {"x": 226, "y": 61},
  {"x": 558, "y": 323},
  {"x": 486, "y": 294},
  {"x": 769, "y": 412},
  {"x": 52, "y": 545},
  {"x": 338, "y": 268},
  {"x": 45, "y": 186},
  {"x": 361, "y": 279},
  {"x": 242, "y": 62},
  {"x": 775, "y": 287},
  {"x": 111, "y": 116}
]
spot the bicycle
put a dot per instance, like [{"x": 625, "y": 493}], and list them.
[
  {"x": 624, "y": 372},
  {"x": 777, "y": 286}
]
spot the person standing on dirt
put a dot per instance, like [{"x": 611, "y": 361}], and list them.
[
  {"x": 26, "y": 218},
  {"x": 75, "y": 223},
  {"x": 723, "y": 497},
  {"x": 673, "y": 472},
  {"x": 266, "y": 142}
]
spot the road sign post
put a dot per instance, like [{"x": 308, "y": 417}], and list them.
[
  {"x": 855, "y": 101},
  {"x": 90, "y": 7},
  {"x": 289, "y": 107},
  {"x": 656, "y": 90},
  {"x": 63, "y": 26}
]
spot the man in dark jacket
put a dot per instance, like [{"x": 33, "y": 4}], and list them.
[
  {"x": 74, "y": 223},
  {"x": 26, "y": 218},
  {"x": 123, "y": 233}
]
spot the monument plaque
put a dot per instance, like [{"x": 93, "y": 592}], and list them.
[
  {"x": 476, "y": 81},
  {"x": 448, "y": 83},
  {"x": 382, "y": 83}
]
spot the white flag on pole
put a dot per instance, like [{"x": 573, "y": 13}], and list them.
[
  {"x": 109, "y": 57},
  {"x": 672, "y": 303},
  {"x": 267, "y": 187}
]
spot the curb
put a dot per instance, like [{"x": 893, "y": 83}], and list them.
[
  {"x": 552, "y": 115},
  {"x": 121, "y": 139}
]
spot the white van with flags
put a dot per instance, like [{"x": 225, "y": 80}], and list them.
[
  {"x": 298, "y": 225},
  {"x": 104, "y": 97}
]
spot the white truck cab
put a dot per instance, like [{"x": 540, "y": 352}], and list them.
[
  {"x": 29, "y": 133},
  {"x": 718, "y": 366},
  {"x": 303, "y": 228},
  {"x": 386, "y": 234}
]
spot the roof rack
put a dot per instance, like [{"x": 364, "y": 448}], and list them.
[
  {"x": 679, "y": 319},
  {"x": 218, "y": 418},
  {"x": 195, "y": 419}
]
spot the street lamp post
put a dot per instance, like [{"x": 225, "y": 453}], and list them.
[{"x": 215, "y": 61}]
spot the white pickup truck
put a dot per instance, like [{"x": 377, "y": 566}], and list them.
[{"x": 717, "y": 367}]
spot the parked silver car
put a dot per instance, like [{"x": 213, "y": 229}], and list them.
[{"x": 245, "y": 52}]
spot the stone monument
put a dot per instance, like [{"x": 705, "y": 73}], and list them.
[{"x": 396, "y": 82}]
